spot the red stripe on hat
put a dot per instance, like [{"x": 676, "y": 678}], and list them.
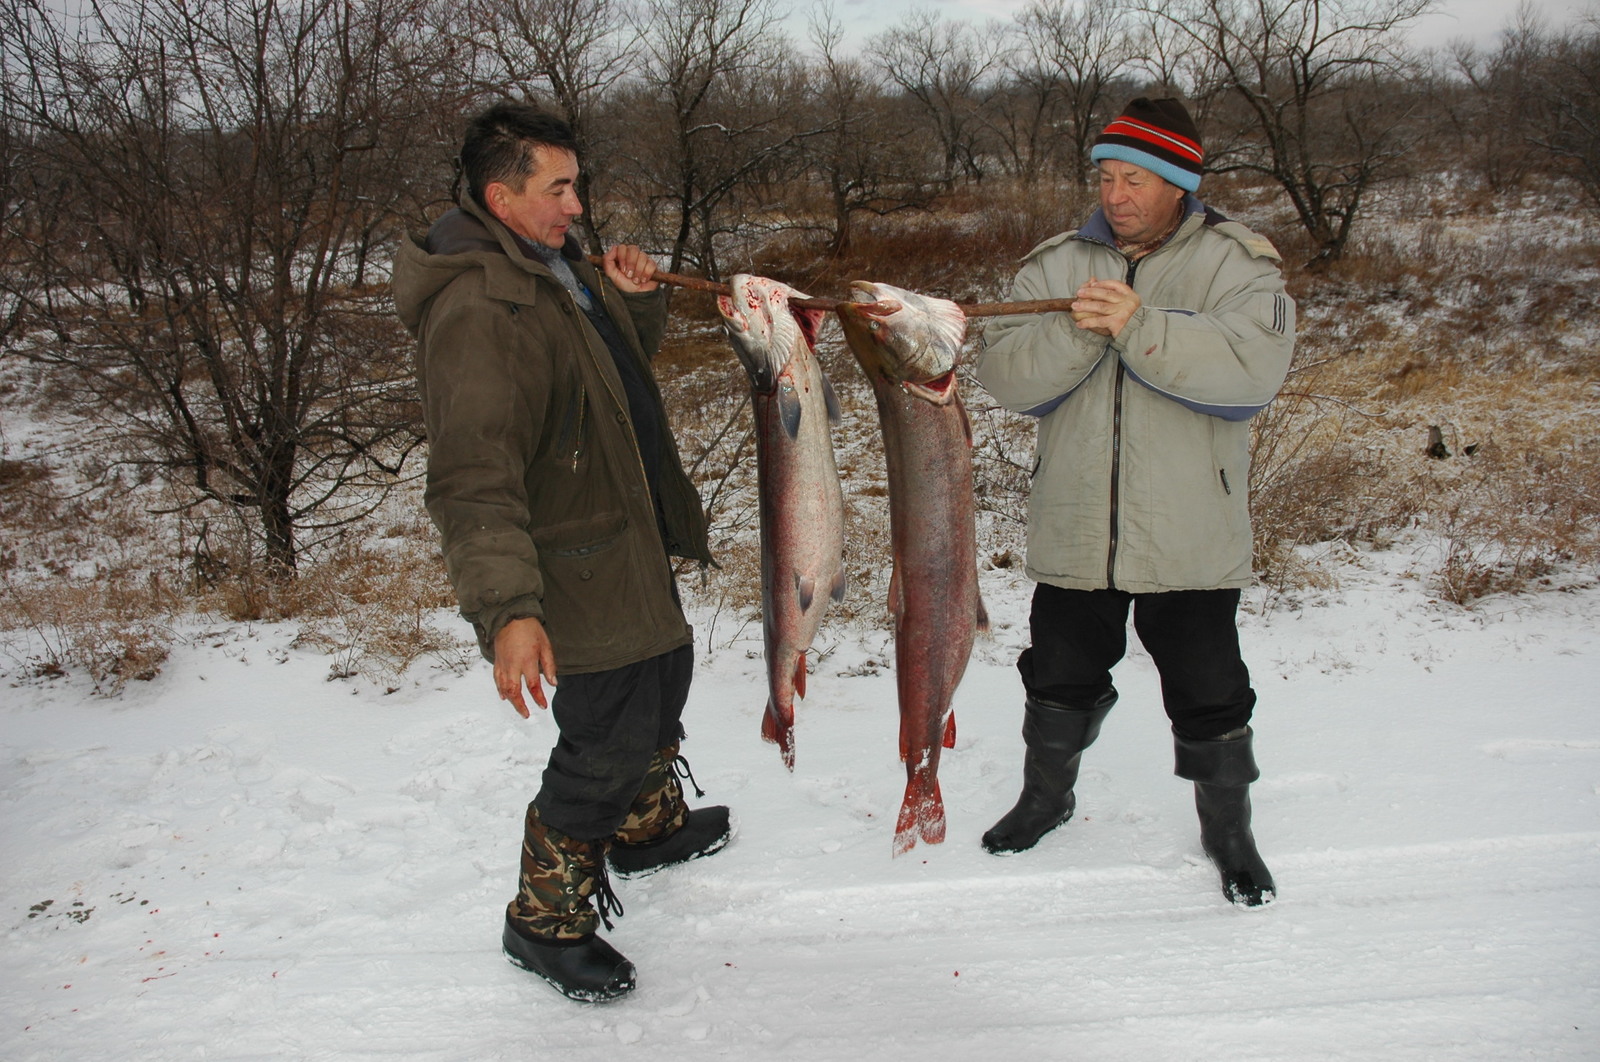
[{"x": 1138, "y": 130}]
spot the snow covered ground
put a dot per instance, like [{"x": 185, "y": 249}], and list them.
[{"x": 243, "y": 860}]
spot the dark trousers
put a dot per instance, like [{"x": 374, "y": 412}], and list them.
[
  {"x": 1192, "y": 635},
  {"x": 611, "y": 723}
]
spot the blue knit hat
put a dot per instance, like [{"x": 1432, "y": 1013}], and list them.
[{"x": 1158, "y": 135}]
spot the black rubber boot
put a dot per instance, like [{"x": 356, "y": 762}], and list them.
[
  {"x": 661, "y": 830},
  {"x": 706, "y": 831},
  {"x": 1055, "y": 736},
  {"x": 588, "y": 969},
  {"x": 1222, "y": 770}
]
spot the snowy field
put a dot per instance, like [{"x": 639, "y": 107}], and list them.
[{"x": 243, "y": 860}]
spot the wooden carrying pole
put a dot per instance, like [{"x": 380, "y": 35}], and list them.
[{"x": 979, "y": 309}]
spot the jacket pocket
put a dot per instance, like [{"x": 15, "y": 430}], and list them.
[
  {"x": 590, "y": 584},
  {"x": 1230, "y": 464}
]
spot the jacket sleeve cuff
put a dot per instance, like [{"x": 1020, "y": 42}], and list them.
[{"x": 489, "y": 621}]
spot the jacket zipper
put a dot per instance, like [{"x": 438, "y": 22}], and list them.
[
  {"x": 638, "y": 455},
  {"x": 622, "y": 403},
  {"x": 577, "y": 438},
  {"x": 1116, "y": 458}
]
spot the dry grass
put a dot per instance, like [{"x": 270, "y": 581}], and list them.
[
  {"x": 96, "y": 583},
  {"x": 1480, "y": 327}
]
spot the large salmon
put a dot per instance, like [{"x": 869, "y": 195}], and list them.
[
  {"x": 908, "y": 345},
  {"x": 802, "y": 506}
]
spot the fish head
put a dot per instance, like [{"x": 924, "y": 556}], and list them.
[
  {"x": 764, "y": 327},
  {"x": 911, "y": 339}
]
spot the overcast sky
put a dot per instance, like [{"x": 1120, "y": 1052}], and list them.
[{"x": 1478, "y": 20}]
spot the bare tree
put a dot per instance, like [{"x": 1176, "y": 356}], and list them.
[
  {"x": 1568, "y": 85},
  {"x": 1317, "y": 98},
  {"x": 860, "y": 155},
  {"x": 1500, "y": 104},
  {"x": 214, "y": 175},
  {"x": 942, "y": 67},
  {"x": 1022, "y": 111},
  {"x": 1078, "y": 50},
  {"x": 1165, "y": 59},
  {"x": 576, "y": 50},
  {"x": 715, "y": 111}
]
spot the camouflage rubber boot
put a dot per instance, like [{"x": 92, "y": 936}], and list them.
[
  {"x": 661, "y": 830},
  {"x": 659, "y": 809},
  {"x": 563, "y": 893},
  {"x": 560, "y": 881}
]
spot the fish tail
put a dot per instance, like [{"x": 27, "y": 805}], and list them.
[
  {"x": 780, "y": 731},
  {"x": 921, "y": 814}
]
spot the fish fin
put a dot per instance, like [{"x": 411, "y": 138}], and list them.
[
  {"x": 950, "y": 730},
  {"x": 983, "y": 616},
  {"x": 896, "y": 605},
  {"x": 800, "y": 676},
  {"x": 966, "y": 421},
  {"x": 921, "y": 815},
  {"x": 789, "y": 408},
  {"x": 780, "y": 732},
  {"x": 836, "y": 591},
  {"x": 806, "y": 587},
  {"x": 831, "y": 400}
]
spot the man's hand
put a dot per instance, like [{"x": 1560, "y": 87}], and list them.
[
  {"x": 630, "y": 269},
  {"x": 523, "y": 657},
  {"x": 1105, "y": 306}
]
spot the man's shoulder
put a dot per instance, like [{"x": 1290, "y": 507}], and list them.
[
  {"x": 1055, "y": 241},
  {"x": 1218, "y": 224},
  {"x": 1072, "y": 242}
]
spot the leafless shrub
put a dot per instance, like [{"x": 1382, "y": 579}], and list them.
[
  {"x": 375, "y": 611},
  {"x": 113, "y": 632}
]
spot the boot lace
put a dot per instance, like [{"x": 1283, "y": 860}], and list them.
[
  {"x": 680, "y": 767},
  {"x": 605, "y": 897}
]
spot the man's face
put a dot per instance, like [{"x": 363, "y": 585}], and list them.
[
  {"x": 545, "y": 208},
  {"x": 1139, "y": 205}
]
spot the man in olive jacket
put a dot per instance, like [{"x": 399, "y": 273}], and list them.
[
  {"x": 1180, "y": 331},
  {"x": 559, "y": 495}
]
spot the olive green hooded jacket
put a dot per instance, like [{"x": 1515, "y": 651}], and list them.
[
  {"x": 1142, "y": 463},
  {"x": 535, "y": 480}
]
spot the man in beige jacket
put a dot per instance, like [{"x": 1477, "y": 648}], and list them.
[{"x": 1180, "y": 331}]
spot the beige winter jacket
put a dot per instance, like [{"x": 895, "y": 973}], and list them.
[
  {"x": 1142, "y": 460},
  {"x": 535, "y": 480}
]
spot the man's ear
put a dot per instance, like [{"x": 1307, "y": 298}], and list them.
[{"x": 494, "y": 197}]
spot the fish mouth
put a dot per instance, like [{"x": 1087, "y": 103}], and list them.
[
  {"x": 939, "y": 391},
  {"x": 866, "y": 299}
]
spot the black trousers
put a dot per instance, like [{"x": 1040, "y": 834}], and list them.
[
  {"x": 611, "y": 723},
  {"x": 1192, "y": 635}
]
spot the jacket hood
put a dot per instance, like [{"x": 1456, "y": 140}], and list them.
[{"x": 461, "y": 239}]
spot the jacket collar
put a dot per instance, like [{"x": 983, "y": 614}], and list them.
[{"x": 1098, "y": 229}]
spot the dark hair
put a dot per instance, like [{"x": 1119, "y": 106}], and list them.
[{"x": 499, "y": 144}]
